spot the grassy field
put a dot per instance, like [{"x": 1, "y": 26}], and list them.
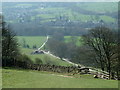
[
  {"x": 102, "y": 7},
  {"x": 31, "y": 40},
  {"x": 0, "y": 78},
  {"x": 52, "y": 13},
  {"x": 76, "y": 39},
  {"x": 44, "y": 57},
  {"x": 38, "y": 41},
  {"x": 72, "y": 15},
  {"x": 37, "y": 79}
]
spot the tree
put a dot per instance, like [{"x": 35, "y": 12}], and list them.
[
  {"x": 57, "y": 47},
  {"x": 0, "y": 40},
  {"x": 73, "y": 39},
  {"x": 11, "y": 56},
  {"x": 85, "y": 56},
  {"x": 27, "y": 46},
  {"x": 97, "y": 17},
  {"x": 10, "y": 51},
  {"x": 58, "y": 36},
  {"x": 24, "y": 43},
  {"x": 71, "y": 50},
  {"x": 104, "y": 42},
  {"x": 34, "y": 46},
  {"x": 38, "y": 61}
]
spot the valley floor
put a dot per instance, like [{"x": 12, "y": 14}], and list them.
[{"x": 13, "y": 78}]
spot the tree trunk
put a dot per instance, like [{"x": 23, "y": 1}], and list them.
[{"x": 102, "y": 66}]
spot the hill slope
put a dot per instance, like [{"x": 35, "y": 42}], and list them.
[{"x": 38, "y": 41}]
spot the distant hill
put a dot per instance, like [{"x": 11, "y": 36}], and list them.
[{"x": 43, "y": 17}]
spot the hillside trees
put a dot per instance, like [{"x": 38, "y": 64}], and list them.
[
  {"x": 10, "y": 50},
  {"x": 58, "y": 47},
  {"x": 38, "y": 61},
  {"x": 103, "y": 42},
  {"x": 85, "y": 56},
  {"x": 11, "y": 56}
]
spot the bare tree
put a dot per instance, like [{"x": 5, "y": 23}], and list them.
[{"x": 103, "y": 41}]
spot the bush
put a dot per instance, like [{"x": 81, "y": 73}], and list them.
[{"x": 38, "y": 61}]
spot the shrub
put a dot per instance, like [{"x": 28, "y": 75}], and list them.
[{"x": 38, "y": 61}]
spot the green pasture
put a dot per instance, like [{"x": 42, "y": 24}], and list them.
[
  {"x": 38, "y": 41},
  {"x": 47, "y": 14},
  {"x": 38, "y": 79},
  {"x": 76, "y": 16},
  {"x": 26, "y": 5},
  {"x": 100, "y": 7},
  {"x": 0, "y": 77},
  {"x": 44, "y": 57},
  {"x": 74, "y": 39},
  {"x": 31, "y": 40}
]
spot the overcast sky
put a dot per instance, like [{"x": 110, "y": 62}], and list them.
[{"x": 59, "y": 0}]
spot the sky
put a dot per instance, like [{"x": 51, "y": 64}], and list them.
[{"x": 59, "y": 0}]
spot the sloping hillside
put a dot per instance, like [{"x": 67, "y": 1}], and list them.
[{"x": 38, "y": 41}]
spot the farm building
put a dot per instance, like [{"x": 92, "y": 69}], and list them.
[{"x": 38, "y": 52}]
